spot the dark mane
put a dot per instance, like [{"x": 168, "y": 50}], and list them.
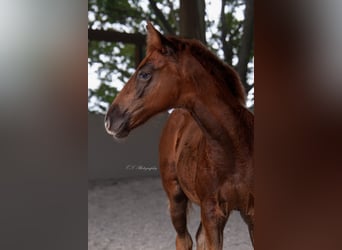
[{"x": 221, "y": 71}]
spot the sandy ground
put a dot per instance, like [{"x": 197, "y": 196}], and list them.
[{"x": 133, "y": 215}]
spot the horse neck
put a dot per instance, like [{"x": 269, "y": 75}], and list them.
[{"x": 223, "y": 120}]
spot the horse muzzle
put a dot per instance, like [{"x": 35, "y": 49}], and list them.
[{"x": 117, "y": 122}]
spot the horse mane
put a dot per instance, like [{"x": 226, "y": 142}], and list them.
[{"x": 219, "y": 70}]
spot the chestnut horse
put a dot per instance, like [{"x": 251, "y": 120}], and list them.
[{"x": 206, "y": 148}]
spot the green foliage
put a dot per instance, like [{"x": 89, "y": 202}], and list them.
[
  {"x": 105, "y": 94},
  {"x": 111, "y": 59},
  {"x": 118, "y": 11},
  {"x": 116, "y": 60}
]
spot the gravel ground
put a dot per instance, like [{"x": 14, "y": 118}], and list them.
[{"x": 133, "y": 215}]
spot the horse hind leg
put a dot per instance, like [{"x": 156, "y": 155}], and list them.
[
  {"x": 200, "y": 238},
  {"x": 251, "y": 233},
  {"x": 210, "y": 232},
  {"x": 249, "y": 220},
  {"x": 178, "y": 203},
  {"x": 248, "y": 217}
]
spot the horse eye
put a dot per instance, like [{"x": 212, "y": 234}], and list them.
[{"x": 145, "y": 76}]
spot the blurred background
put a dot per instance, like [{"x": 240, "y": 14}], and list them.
[
  {"x": 116, "y": 38},
  {"x": 127, "y": 207},
  {"x": 116, "y": 45},
  {"x": 46, "y": 53}
]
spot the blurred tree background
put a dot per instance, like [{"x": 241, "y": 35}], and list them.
[{"x": 116, "y": 38}]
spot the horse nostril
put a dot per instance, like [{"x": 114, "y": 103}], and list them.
[
  {"x": 116, "y": 121},
  {"x": 107, "y": 122}
]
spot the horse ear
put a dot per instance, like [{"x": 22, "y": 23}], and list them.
[{"x": 154, "y": 38}]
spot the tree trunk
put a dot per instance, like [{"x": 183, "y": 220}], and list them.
[
  {"x": 192, "y": 24},
  {"x": 166, "y": 25},
  {"x": 226, "y": 46},
  {"x": 246, "y": 42}
]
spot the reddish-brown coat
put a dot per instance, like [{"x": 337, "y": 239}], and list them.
[{"x": 206, "y": 149}]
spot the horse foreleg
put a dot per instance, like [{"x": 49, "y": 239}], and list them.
[
  {"x": 200, "y": 238},
  {"x": 178, "y": 211},
  {"x": 213, "y": 222}
]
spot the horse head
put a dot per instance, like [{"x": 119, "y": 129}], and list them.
[{"x": 153, "y": 88}]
